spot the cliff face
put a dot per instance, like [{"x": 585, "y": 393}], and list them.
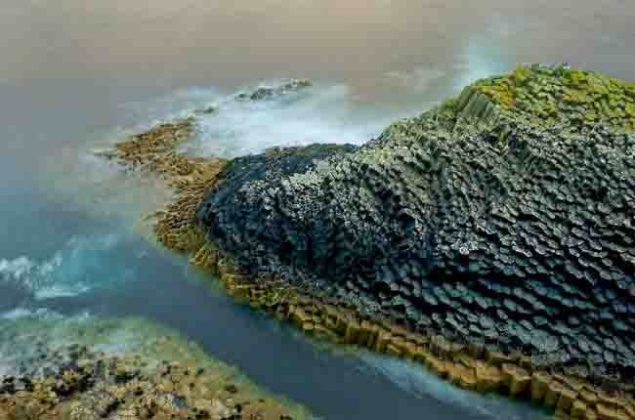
[{"x": 506, "y": 216}]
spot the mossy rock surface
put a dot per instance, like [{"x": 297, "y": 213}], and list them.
[
  {"x": 562, "y": 94},
  {"x": 506, "y": 217}
]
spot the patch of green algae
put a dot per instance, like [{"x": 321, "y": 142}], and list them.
[{"x": 563, "y": 95}]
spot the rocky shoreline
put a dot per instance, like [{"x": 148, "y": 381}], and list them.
[
  {"x": 153, "y": 374},
  {"x": 490, "y": 239}
]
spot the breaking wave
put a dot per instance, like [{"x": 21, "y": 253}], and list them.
[
  {"x": 417, "y": 381},
  {"x": 30, "y": 313},
  {"x": 318, "y": 114},
  {"x": 69, "y": 272}
]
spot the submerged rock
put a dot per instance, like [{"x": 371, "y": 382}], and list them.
[
  {"x": 137, "y": 371},
  {"x": 268, "y": 92},
  {"x": 505, "y": 217}
]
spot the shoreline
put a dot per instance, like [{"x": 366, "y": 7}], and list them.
[
  {"x": 478, "y": 367},
  {"x": 93, "y": 373}
]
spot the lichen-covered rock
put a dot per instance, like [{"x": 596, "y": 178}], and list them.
[
  {"x": 505, "y": 217},
  {"x": 562, "y": 94}
]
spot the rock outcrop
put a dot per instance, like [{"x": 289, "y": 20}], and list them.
[
  {"x": 153, "y": 374},
  {"x": 505, "y": 217},
  {"x": 491, "y": 239}
]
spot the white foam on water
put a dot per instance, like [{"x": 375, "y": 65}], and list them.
[
  {"x": 56, "y": 291},
  {"x": 145, "y": 114},
  {"x": 69, "y": 272},
  {"x": 27, "y": 273},
  {"x": 18, "y": 267},
  {"x": 323, "y": 113},
  {"x": 416, "y": 380},
  {"x": 30, "y": 313}
]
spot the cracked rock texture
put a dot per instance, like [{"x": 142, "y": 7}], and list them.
[{"x": 504, "y": 217}]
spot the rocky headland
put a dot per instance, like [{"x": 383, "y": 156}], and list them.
[{"x": 491, "y": 238}]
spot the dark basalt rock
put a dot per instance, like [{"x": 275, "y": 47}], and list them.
[
  {"x": 472, "y": 220},
  {"x": 268, "y": 92}
]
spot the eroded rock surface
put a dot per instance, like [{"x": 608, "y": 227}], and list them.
[
  {"x": 153, "y": 373},
  {"x": 506, "y": 217}
]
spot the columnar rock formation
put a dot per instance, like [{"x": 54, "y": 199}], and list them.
[
  {"x": 491, "y": 239},
  {"x": 505, "y": 217}
]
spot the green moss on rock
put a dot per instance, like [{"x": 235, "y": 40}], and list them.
[{"x": 562, "y": 95}]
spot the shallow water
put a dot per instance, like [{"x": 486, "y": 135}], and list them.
[{"x": 79, "y": 75}]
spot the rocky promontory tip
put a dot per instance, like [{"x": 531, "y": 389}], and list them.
[{"x": 491, "y": 238}]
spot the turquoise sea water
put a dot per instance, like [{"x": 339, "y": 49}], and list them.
[{"x": 78, "y": 76}]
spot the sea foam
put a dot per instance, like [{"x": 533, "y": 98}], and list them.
[
  {"x": 416, "y": 380},
  {"x": 69, "y": 272}
]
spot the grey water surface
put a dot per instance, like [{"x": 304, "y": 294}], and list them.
[{"x": 75, "y": 76}]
